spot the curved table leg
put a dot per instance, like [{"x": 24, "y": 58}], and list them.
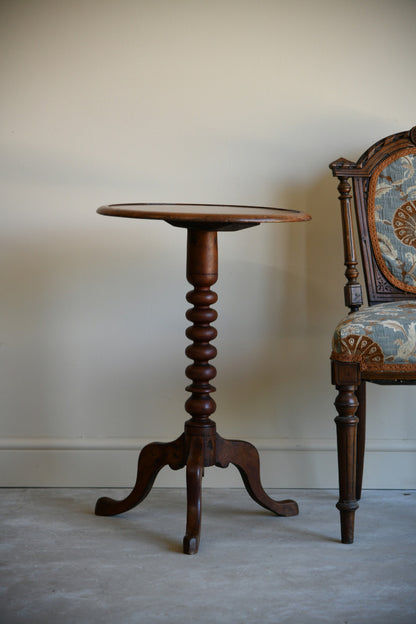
[
  {"x": 245, "y": 457},
  {"x": 152, "y": 459},
  {"x": 194, "y": 474}
]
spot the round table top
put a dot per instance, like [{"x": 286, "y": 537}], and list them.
[{"x": 217, "y": 216}]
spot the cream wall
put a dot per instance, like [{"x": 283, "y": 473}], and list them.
[{"x": 188, "y": 101}]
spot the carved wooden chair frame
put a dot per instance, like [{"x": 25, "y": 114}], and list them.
[{"x": 349, "y": 377}]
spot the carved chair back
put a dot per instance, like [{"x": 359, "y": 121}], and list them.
[{"x": 384, "y": 189}]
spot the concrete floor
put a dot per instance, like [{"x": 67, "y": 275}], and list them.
[{"x": 62, "y": 564}]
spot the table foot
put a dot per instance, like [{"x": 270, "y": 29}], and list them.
[
  {"x": 194, "y": 474},
  {"x": 246, "y": 459},
  {"x": 152, "y": 459}
]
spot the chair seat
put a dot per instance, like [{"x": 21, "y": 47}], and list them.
[{"x": 380, "y": 338}]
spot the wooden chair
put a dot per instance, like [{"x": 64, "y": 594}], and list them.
[{"x": 376, "y": 343}]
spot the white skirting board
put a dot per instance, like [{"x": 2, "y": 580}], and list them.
[{"x": 285, "y": 463}]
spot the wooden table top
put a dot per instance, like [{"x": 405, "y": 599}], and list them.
[{"x": 220, "y": 216}]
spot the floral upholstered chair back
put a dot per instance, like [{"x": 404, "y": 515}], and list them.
[{"x": 392, "y": 218}]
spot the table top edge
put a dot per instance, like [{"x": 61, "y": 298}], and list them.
[{"x": 149, "y": 211}]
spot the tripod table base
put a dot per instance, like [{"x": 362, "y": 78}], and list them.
[{"x": 193, "y": 451}]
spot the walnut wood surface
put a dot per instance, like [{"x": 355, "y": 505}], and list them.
[
  {"x": 219, "y": 217},
  {"x": 200, "y": 445}
]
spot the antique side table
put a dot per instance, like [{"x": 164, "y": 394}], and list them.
[{"x": 200, "y": 445}]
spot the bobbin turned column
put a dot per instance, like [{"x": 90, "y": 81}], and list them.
[
  {"x": 202, "y": 273},
  {"x": 200, "y": 430}
]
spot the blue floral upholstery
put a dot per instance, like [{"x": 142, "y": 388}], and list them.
[
  {"x": 392, "y": 219},
  {"x": 381, "y": 337}
]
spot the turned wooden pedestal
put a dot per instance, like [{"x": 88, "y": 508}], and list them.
[{"x": 200, "y": 445}]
